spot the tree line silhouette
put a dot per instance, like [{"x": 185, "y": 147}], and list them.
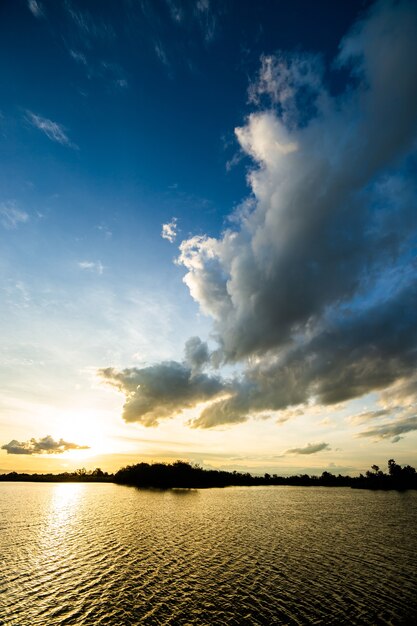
[
  {"x": 181, "y": 474},
  {"x": 78, "y": 476}
]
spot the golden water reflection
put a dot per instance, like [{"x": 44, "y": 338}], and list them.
[
  {"x": 65, "y": 499},
  {"x": 108, "y": 555},
  {"x": 60, "y": 516}
]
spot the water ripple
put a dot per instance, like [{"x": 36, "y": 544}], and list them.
[{"x": 108, "y": 555}]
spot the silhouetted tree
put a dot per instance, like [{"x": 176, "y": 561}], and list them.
[{"x": 183, "y": 474}]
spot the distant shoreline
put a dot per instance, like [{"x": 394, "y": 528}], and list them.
[{"x": 183, "y": 475}]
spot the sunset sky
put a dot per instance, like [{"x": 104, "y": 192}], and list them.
[{"x": 208, "y": 234}]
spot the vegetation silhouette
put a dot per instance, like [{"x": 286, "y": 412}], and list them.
[
  {"x": 78, "y": 476},
  {"x": 181, "y": 474}
]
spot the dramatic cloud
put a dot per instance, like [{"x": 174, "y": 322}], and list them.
[
  {"x": 310, "y": 448},
  {"x": 347, "y": 359},
  {"x": 322, "y": 228},
  {"x": 312, "y": 288},
  {"x": 316, "y": 285},
  {"x": 46, "y": 445},
  {"x": 92, "y": 266},
  {"x": 11, "y": 216},
  {"x": 162, "y": 390},
  {"x": 54, "y": 131},
  {"x": 169, "y": 230}
]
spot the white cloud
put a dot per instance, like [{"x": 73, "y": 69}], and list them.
[
  {"x": 35, "y": 8},
  {"x": 206, "y": 18},
  {"x": 105, "y": 231},
  {"x": 282, "y": 77},
  {"x": 11, "y": 216},
  {"x": 79, "y": 57},
  {"x": 92, "y": 266},
  {"x": 53, "y": 130},
  {"x": 160, "y": 53},
  {"x": 89, "y": 27},
  {"x": 111, "y": 73},
  {"x": 176, "y": 11},
  {"x": 169, "y": 230}
]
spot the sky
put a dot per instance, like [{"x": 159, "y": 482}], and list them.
[{"x": 208, "y": 234}]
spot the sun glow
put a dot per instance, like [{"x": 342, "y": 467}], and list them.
[{"x": 87, "y": 427}]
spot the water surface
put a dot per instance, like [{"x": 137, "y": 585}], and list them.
[{"x": 106, "y": 554}]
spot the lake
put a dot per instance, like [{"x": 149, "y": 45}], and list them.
[{"x": 112, "y": 555}]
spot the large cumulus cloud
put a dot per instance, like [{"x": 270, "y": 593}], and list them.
[
  {"x": 320, "y": 232},
  {"x": 313, "y": 289}
]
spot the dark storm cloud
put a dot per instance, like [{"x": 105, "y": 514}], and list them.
[
  {"x": 162, "y": 390},
  {"x": 45, "y": 445},
  {"x": 310, "y": 448}
]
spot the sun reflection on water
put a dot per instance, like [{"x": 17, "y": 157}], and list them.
[
  {"x": 109, "y": 555},
  {"x": 62, "y": 512}
]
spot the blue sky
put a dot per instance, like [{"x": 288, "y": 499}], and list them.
[{"x": 276, "y": 143}]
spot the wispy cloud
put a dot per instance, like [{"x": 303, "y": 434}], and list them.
[
  {"x": 45, "y": 445},
  {"x": 53, "y": 130},
  {"x": 281, "y": 79},
  {"x": 78, "y": 56},
  {"x": 35, "y": 8},
  {"x": 176, "y": 11},
  {"x": 105, "y": 231},
  {"x": 169, "y": 230},
  {"x": 11, "y": 216},
  {"x": 92, "y": 266},
  {"x": 112, "y": 72},
  {"x": 366, "y": 416},
  {"x": 310, "y": 448},
  {"x": 88, "y": 26},
  {"x": 161, "y": 54},
  {"x": 392, "y": 431},
  {"x": 206, "y": 18}
]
